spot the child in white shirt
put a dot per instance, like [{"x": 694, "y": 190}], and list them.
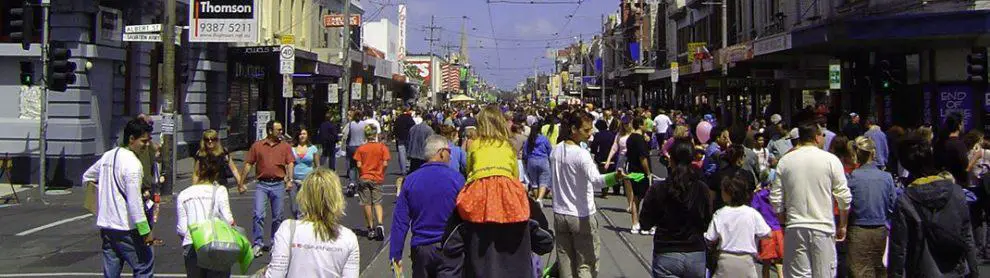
[{"x": 736, "y": 228}]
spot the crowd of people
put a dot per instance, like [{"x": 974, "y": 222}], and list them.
[{"x": 746, "y": 199}]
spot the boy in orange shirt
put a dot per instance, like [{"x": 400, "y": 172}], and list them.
[{"x": 372, "y": 158}]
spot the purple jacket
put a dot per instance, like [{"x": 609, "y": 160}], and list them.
[{"x": 761, "y": 202}]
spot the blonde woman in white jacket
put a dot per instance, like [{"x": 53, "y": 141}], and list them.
[{"x": 316, "y": 246}]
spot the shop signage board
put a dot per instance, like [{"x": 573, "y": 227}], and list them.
[
  {"x": 262, "y": 118},
  {"x": 287, "y": 59},
  {"x": 223, "y": 21},
  {"x": 337, "y": 20},
  {"x": 775, "y": 43},
  {"x": 834, "y": 76},
  {"x": 356, "y": 91}
]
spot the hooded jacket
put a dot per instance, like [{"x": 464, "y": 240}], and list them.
[
  {"x": 494, "y": 250},
  {"x": 917, "y": 253}
]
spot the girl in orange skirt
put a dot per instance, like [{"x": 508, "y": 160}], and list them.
[{"x": 496, "y": 227}]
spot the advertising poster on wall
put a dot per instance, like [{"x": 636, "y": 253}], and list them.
[{"x": 956, "y": 99}]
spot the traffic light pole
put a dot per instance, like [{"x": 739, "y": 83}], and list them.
[{"x": 43, "y": 124}]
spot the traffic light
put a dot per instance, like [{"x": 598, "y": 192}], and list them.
[
  {"x": 27, "y": 73},
  {"x": 22, "y": 24},
  {"x": 60, "y": 70},
  {"x": 976, "y": 65}
]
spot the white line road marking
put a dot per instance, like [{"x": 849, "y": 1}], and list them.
[
  {"x": 53, "y": 224},
  {"x": 94, "y": 274}
]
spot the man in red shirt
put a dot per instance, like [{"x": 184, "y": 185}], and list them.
[
  {"x": 275, "y": 162},
  {"x": 372, "y": 158}
]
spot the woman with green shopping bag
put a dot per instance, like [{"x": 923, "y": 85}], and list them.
[{"x": 198, "y": 207}]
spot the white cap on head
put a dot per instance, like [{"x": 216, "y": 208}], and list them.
[
  {"x": 794, "y": 133},
  {"x": 775, "y": 118}
]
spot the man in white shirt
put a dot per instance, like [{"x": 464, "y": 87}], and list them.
[
  {"x": 120, "y": 214},
  {"x": 662, "y": 123},
  {"x": 808, "y": 179}
]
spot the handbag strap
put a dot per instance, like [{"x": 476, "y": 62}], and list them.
[{"x": 113, "y": 175}]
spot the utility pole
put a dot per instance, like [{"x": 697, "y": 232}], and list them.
[
  {"x": 601, "y": 55},
  {"x": 433, "y": 38},
  {"x": 346, "y": 62},
  {"x": 168, "y": 140},
  {"x": 43, "y": 126}
]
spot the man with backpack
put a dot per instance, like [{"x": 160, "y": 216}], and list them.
[{"x": 931, "y": 235}]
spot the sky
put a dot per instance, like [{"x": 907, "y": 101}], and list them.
[{"x": 521, "y": 31}]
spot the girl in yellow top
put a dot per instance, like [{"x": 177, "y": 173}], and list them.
[{"x": 493, "y": 192}]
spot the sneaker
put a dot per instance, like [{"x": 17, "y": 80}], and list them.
[
  {"x": 349, "y": 190},
  {"x": 371, "y": 233},
  {"x": 380, "y": 232},
  {"x": 258, "y": 252},
  {"x": 635, "y": 229},
  {"x": 649, "y": 232}
]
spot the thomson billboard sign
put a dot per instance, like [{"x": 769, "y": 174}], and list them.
[{"x": 223, "y": 21}]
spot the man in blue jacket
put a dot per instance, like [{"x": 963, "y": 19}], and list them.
[{"x": 427, "y": 199}]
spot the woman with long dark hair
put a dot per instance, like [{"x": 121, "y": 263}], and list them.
[
  {"x": 680, "y": 209},
  {"x": 536, "y": 155},
  {"x": 307, "y": 158}
]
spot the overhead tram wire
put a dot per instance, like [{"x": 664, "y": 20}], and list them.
[
  {"x": 535, "y": 2},
  {"x": 491, "y": 23},
  {"x": 569, "y": 18}
]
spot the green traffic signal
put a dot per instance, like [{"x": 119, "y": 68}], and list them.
[{"x": 886, "y": 84}]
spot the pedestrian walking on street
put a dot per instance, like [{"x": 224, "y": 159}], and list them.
[
  {"x": 211, "y": 148},
  {"x": 811, "y": 178},
  {"x": 124, "y": 230},
  {"x": 576, "y": 179},
  {"x": 736, "y": 228},
  {"x": 458, "y": 158},
  {"x": 329, "y": 136},
  {"x": 879, "y": 138},
  {"x": 417, "y": 143},
  {"x": 204, "y": 201},
  {"x": 680, "y": 209},
  {"x": 619, "y": 151},
  {"x": 600, "y": 148},
  {"x": 274, "y": 161},
  {"x": 496, "y": 227},
  {"x": 638, "y": 154},
  {"x": 423, "y": 208},
  {"x": 354, "y": 136},
  {"x": 316, "y": 245},
  {"x": 536, "y": 155},
  {"x": 873, "y": 196},
  {"x": 372, "y": 159},
  {"x": 931, "y": 234},
  {"x": 951, "y": 153},
  {"x": 403, "y": 123},
  {"x": 307, "y": 158},
  {"x": 854, "y": 128}
]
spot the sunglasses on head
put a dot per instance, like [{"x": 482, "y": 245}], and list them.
[{"x": 210, "y": 139}]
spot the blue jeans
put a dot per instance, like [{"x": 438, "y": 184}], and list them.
[
  {"x": 129, "y": 247},
  {"x": 675, "y": 264},
  {"x": 267, "y": 193},
  {"x": 403, "y": 164}
]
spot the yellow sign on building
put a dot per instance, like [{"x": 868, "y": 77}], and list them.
[{"x": 694, "y": 48}]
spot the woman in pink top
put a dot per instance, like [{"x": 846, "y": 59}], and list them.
[{"x": 619, "y": 154}]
